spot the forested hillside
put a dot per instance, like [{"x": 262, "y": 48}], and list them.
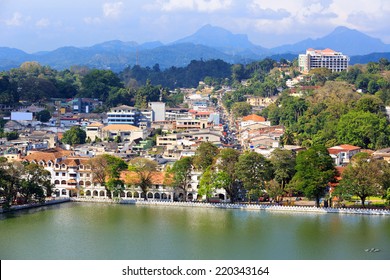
[{"x": 327, "y": 108}]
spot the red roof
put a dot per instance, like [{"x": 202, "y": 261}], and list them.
[
  {"x": 254, "y": 117},
  {"x": 342, "y": 148}
]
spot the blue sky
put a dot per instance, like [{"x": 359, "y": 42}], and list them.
[{"x": 35, "y": 25}]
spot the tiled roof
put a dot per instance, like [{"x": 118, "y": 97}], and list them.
[
  {"x": 46, "y": 155},
  {"x": 254, "y": 117},
  {"x": 95, "y": 124},
  {"x": 131, "y": 177},
  {"x": 76, "y": 161},
  {"x": 120, "y": 127},
  {"x": 342, "y": 148}
]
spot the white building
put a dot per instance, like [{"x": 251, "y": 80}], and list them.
[
  {"x": 123, "y": 115},
  {"x": 158, "y": 111},
  {"x": 327, "y": 58}
]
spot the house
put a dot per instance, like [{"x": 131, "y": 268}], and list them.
[
  {"x": 253, "y": 119},
  {"x": 342, "y": 154},
  {"x": 258, "y": 101},
  {"x": 382, "y": 154},
  {"x": 126, "y": 132},
  {"x": 94, "y": 130},
  {"x": 84, "y": 105},
  {"x": 184, "y": 124}
]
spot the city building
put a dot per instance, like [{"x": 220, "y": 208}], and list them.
[
  {"x": 158, "y": 111},
  {"x": 123, "y": 115},
  {"x": 94, "y": 130},
  {"x": 335, "y": 61},
  {"x": 342, "y": 154},
  {"x": 126, "y": 132},
  {"x": 83, "y": 105}
]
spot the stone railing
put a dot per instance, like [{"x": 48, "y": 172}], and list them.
[
  {"x": 361, "y": 211},
  {"x": 50, "y": 201}
]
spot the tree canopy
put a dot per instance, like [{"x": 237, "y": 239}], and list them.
[
  {"x": 75, "y": 135},
  {"x": 314, "y": 171}
]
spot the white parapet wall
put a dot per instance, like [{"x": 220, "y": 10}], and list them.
[{"x": 252, "y": 207}]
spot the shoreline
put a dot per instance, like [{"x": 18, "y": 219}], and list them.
[
  {"x": 248, "y": 207},
  {"x": 36, "y": 205},
  {"x": 245, "y": 207}
]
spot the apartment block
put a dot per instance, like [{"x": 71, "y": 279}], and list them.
[{"x": 333, "y": 60}]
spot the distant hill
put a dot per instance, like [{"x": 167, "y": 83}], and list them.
[
  {"x": 350, "y": 42},
  {"x": 11, "y": 58},
  {"x": 209, "y": 42},
  {"x": 224, "y": 41},
  {"x": 364, "y": 59}
]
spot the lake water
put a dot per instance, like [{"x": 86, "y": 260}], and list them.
[{"x": 116, "y": 232}]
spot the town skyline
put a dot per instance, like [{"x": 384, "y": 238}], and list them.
[{"x": 42, "y": 26}]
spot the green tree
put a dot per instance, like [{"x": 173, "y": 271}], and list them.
[
  {"x": 205, "y": 155},
  {"x": 364, "y": 177},
  {"x": 43, "y": 116},
  {"x": 13, "y": 135},
  {"x": 144, "y": 168},
  {"x": 35, "y": 185},
  {"x": 106, "y": 170},
  {"x": 75, "y": 135},
  {"x": 372, "y": 104},
  {"x": 227, "y": 160},
  {"x": 253, "y": 170},
  {"x": 206, "y": 186},
  {"x": 274, "y": 190},
  {"x": 181, "y": 175},
  {"x": 10, "y": 174},
  {"x": 361, "y": 129},
  {"x": 241, "y": 109},
  {"x": 314, "y": 170},
  {"x": 283, "y": 164},
  {"x": 98, "y": 84}
]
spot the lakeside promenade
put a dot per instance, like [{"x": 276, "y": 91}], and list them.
[{"x": 249, "y": 207}]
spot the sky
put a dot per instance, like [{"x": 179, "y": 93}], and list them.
[{"x": 42, "y": 25}]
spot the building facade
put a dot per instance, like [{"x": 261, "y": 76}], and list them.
[
  {"x": 330, "y": 59},
  {"x": 123, "y": 115}
]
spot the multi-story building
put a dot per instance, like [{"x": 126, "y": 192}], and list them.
[
  {"x": 126, "y": 132},
  {"x": 335, "y": 61},
  {"x": 123, "y": 115},
  {"x": 94, "y": 130},
  {"x": 184, "y": 124},
  {"x": 73, "y": 176}
]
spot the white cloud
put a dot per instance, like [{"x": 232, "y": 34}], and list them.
[
  {"x": 207, "y": 6},
  {"x": 16, "y": 20},
  {"x": 112, "y": 10},
  {"x": 43, "y": 22},
  {"x": 92, "y": 20}
]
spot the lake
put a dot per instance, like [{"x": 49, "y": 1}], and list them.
[{"x": 73, "y": 231}]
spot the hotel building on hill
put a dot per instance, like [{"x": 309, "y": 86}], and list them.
[{"x": 335, "y": 61}]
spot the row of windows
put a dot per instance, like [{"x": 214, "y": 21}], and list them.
[
  {"x": 72, "y": 175},
  {"x": 62, "y": 166},
  {"x": 121, "y": 121},
  {"x": 63, "y": 182},
  {"x": 120, "y": 116}
]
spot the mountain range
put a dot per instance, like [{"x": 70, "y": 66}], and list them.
[{"x": 209, "y": 42}]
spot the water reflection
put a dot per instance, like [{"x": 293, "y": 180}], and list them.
[{"x": 97, "y": 231}]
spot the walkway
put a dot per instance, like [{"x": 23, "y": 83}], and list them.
[{"x": 241, "y": 206}]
